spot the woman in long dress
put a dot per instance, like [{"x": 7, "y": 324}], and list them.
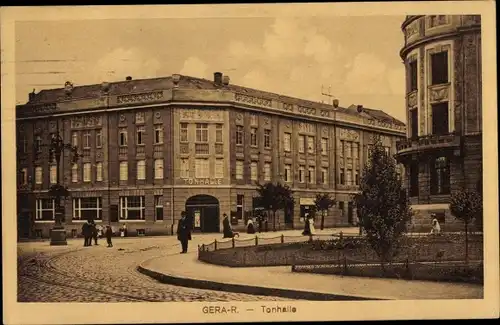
[
  {"x": 311, "y": 226},
  {"x": 307, "y": 226},
  {"x": 250, "y": 227}
]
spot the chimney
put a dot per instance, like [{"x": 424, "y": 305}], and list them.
[
  {"x": 360, "y": 108},
  {"x": 31, "y": 96},
  {"x": 225, "y": 80},
  {"x": 218, "y": 78},
  {"x": 335, "y": 103},
  {"x": 128, "y": 78}
]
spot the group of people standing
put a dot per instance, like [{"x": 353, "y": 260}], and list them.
[
  {"x": 309, "y": 229},
  {"x": 92, "y": 231}
]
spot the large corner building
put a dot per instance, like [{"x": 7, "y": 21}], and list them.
[
  {"x": 442, "y": 152},
  {"x": 153, "y": 148}
]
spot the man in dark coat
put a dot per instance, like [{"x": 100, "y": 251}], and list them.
[
  {"x": 109, "y": 234},
  {"x": 184, "y": 232},
  {"x": 85, "y": 233},
  {"x": 227, "y": 231},
  {"x": 94, "y": 232},
  {"x": 307, "y": 226}
]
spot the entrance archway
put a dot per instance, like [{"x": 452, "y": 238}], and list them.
[{"x": 203, "y": 212}]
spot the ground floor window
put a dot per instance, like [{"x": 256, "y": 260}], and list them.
[
  {"x": 440, "y": 176},
  {"x": 87, "y": 208},
  {"x": 159, "y": 207},
  {"x": 45, "y": 209},
  {"x": 132, "y": 208}
]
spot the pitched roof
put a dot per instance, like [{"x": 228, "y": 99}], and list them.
[{"x": 188, "y": 82}]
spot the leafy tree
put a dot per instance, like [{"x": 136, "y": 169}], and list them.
[
  {"x": 382, "y": 205},
  {"x": 467, "y": 206},
  {"x": 274, "y": 197},
  {"x": 322, "y": 203}
]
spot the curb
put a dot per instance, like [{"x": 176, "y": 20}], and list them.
[{"x": 247, "y": 289}]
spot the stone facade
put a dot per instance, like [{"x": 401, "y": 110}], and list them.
[
  {"x": 459, "y": 36},
  {"x": 196, "y": 138}
]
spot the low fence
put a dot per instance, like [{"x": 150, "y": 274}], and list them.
[{"x": 333, "y": 249}]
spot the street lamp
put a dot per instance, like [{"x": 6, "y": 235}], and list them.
[{"x": 57, "y": 191}]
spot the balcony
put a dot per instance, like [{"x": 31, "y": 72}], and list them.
[{"x": 428, "y": 143}]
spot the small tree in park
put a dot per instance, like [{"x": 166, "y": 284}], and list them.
[
  {"x": 322, "y": 203},
  {"x": 468, "y": 207},
  {"x": 382, "y": 205},
  {"x": 275, "y": 197}
]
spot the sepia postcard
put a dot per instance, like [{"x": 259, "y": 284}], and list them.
[{"x": 249, "y": 162}]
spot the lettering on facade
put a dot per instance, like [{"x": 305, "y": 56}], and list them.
[
  {"x": 325, "y": 113},
  {"x": 203, "y": 181},
  {"x": 287, "y": 107},
  {"x": 440, "y": 94},
  {"x": 252, "y": 100},
  {"x": 306, "y": 110},
  {"x": 306, "y": 127},
  {"x": 350, "y": 135},
  {"x": 44, "y": 108},
  {"x": 137, "y": 98},
  {"x": 197, "y": 114},
  {"x": 86, "y": 121}
]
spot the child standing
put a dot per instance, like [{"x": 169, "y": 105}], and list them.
[{"x": 109, "y": 234}]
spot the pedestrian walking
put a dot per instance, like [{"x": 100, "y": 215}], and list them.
[
  {"x": 87, "y": 233},
  {"x": 184, "y": 232},
  {"x": 109, "y": 235},
  {"x": 227, "y": 232},
  {"x": 250, "y": 227},
  {"x": 93, "y": 230},
  {"x": 436, "y": 228},
  {"x": 307, "y": 226}
]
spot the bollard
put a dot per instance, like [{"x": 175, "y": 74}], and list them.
[
  {"x": 282, "y": 238},
  {"x": 341, "y": 235},
  {"x": 256, "y": 241},
  {"x": 345, "y": 265},
  {"x": 215, "y": 245},
  {"x": 232, "y": 241}
]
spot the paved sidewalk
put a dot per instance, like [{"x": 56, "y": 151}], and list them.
[{"x": 185, "y": 269}]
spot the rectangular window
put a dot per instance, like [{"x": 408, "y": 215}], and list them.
[
  {"x": 324, "y": 176},
  {"x": 239, "y": 169},
  {"x": 439, "y": 68},
  {"x": 413, "y": 70},
  {"x": 239, "y": 206},
  {"x": 341, "y": 149},
  {"x": 267, "y": 172},
  {"x": 387, "y": 151},
  {"x": 414, "y": 123},
  {"x": 184, "y": 168},
  {"x": 158, "y": 207},
  {"x": 310, "y": 145},
  {"x": 98, "y": 138},
  {"x": 349, "y": 177},
  {"x": 219, "y": 168},
  {"x": 254, "y": 176},
  {"x": 342, "y": 178},
  {"x": 267, "y": 139},
  {"x": 86, "y": 140},
  {"x": 88, "y": 208},
  {"x": 239, "y": 135},
  {"x": 440, "y": 176},
  {"x": 301, "y": 141},
  {"x": 45, "y": 209},
  {"x": 74, "y": 139},
  {"x": 158, "y": 168},
  {"x": 140, "y": 135},
  {"x": 123, "y": 137},
  {"x": 132, "y": 208},
  {"x": 24, "y": 144},
  {"x": 98, "y": 172},
  {"x": 218, "y": 133},
  {"x": 288, "y": 173},
  {"x": 324, "y": 146},
  {"x": 312, "y": 175},
  {"x": 86, "y": 172},
  {"x": 440, "y": 118},
  {"x": 201, "y": 132},
  {"x": 53, "y": 174},
  {"x": 158, "y": 134},
  {"x": 141, "y": 169},
  {"x": 356, "y": 177},
  {"x": 413, "y": 179},
  {"x": 183, "y": 132},
  {"x": 253, "y": 137},
  {"x": 347, "y": 149},
  {"x": 355, "y": 150},
  {"x": 24, "y": 176},
  {"x": 287, "y": 138},
  {"x": 302, "y": 170},
  {"x": 74, "y": 173},
  {"x": 38, "y": 175},
  {"x": 123, "y": 170},
  {"x": 202, "y": 168}
]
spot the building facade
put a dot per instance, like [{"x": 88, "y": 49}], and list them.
[
  {"x": 153, "y": 148},
  {"x": 442, "y": 152}
]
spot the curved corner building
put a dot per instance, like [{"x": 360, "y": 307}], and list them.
[{"x": 442, "y": 151}]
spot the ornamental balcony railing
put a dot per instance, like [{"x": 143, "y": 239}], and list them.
[{"x": 426, "y": 143}]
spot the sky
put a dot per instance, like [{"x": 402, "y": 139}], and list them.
[{"x": 356, "y": 57}]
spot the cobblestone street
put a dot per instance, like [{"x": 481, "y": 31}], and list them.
[{"x": 99, "y": 274}]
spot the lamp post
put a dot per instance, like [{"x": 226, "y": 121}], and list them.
[{"x": 56, "y": 148}]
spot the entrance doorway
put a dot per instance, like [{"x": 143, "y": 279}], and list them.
[{"x": 203, "y": 213}]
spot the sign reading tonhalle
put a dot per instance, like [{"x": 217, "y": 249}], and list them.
[{"x": 203, "y": 181}]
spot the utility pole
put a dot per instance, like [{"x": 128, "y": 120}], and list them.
[{"x": 328, "y": 94}]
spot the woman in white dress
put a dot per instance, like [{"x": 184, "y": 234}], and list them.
[
  {"x": 436, "y": 228},
  {"x": 311, "y": 225}
]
